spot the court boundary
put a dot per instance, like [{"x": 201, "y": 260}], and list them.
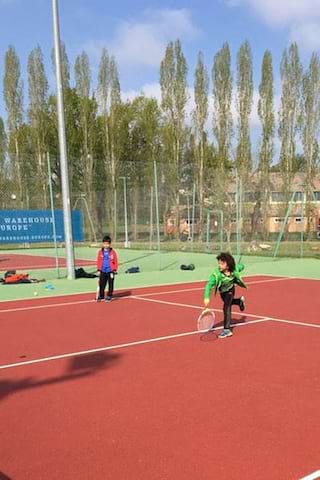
[
  {"x": 37, "y": 307},
  {"x": 259, "y": 319},
  {"x": 122, "y": 345},
  {"x": 143, "y": 297},
  {"x": 160, "y": 285}
]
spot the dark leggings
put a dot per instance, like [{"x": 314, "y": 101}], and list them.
[
  {"x": 228, "y": 300},
  {"x": 106, "y": 278}
]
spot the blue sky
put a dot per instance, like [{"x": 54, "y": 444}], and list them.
[{"x": 137, "y": 31}]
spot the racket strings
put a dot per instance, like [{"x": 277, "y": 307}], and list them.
[{"x": 206, "y": 320}]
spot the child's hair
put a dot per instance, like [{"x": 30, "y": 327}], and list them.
[
  {"x": 106, "y": 238},
  {"x": 228, "y": 258}
]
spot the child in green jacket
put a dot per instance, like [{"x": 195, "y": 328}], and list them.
[{"x": 224, "y": 278}]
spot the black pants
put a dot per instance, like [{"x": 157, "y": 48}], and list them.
[
  {"x": 106, "y": 278},
  {"x": 228, "y": 300}
]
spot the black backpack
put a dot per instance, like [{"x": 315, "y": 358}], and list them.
[
  {"x": 81, "y": 273},
  {"x": 187, "y": 267}
]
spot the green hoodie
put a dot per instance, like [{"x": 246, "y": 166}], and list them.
[{"x": 222, "y": 282}]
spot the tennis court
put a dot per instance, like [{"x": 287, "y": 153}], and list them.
[
  {"x": 13, "y": 261},
  {"x": 131, "y": 390}
]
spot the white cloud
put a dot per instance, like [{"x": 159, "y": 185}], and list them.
[
  {"x": 149, "y": 90},
  {"x": 306, "y": 35},
  {"x": 153, "y": 90},
  {"x": 142, "y": 41},
  {"x": 301, "y": 17},
  {"x": 282, "y": 12}
]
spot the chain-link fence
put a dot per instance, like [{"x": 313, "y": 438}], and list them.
[{"x": 158, "y": 207}]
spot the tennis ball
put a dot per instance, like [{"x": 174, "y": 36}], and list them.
[{"x": 35, "y": 294}]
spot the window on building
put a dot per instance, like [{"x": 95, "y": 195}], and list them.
[
  {"x": 277, "y": 197},
  {"x": 298, "y": 219},
  {"x": 251, "y": 196},
  {"x": 299, "y": 196},
  {"x": 317, "y": 195},
  {"x": 278, "y": 220},
  {"x": 229, "y": 197}
]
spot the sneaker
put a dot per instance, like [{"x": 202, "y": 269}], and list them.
[
  {"x": 108, "y": 299},
  {"x": 98, "y": 299},
  {"x": 242, "y": 304},
  {"x": 225, "y": 333}
]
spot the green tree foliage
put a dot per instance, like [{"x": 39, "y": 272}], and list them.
[
  {"x": 267, "y": 118},
  {"x": 13, "y": 97},
  {"x": 200, "y": 117},
  {"x": 174, "y": 94},
  {"x": 38, "y": 115},
  {"x": 222, "y": 97},
  {"x": 290, "y": 110},
  {"x": 244, "y": 107}
]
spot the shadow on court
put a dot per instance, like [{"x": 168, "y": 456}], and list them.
[
  {"x": 124, "y": 294},
  {"x": 77, "y": 368},
  {"x": 212, "y": 335},
  {"x": 4, "y": 477}
]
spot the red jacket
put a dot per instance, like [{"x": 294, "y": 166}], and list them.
[{"x": 112, "y": 257}]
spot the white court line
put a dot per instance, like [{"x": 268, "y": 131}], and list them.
[
  {"x": 185, "y": 305},
  {"x": 87, "y": 292},
  {"x": 312, "y": 476},
  {"x": 295, "y": 322},
  {"x": 153, "y": 300},
  {"x": 120, "y": 346},
  {"x": 80, "y": 302},
  {"x": 84, "y": 263},
  {"x": 202, "y": 288},
  {"x": 269, "y": 280},
  {"x": 292, "y": 277},
  {"x": 50, "y": 305}
]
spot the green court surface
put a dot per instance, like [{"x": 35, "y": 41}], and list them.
[{"x": 155, "y": 269}]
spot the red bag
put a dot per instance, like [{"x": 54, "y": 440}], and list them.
[{"x": 17, "y": 278}]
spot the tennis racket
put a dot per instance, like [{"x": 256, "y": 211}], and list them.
[
  {"x": 206, "y": 320},
  {"x": 98, "y": 287}
]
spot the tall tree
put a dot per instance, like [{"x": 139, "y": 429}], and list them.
[
  {"x": 174, "y": 95},
  {"x": 38, "y": 115},
  {"x": 244, "y": 107},
  {"x": 267, "y": 118},
  {"x": 110, "y": 109},
  {"x": 3, "y": 148},
  {"x": 223, "y": 130},
  {"x": 3, "y": 177},
  {"x": 87, "y": 126},
  {"x": 222, "y": 96},
  {"x": 83, "y": 88},
  {"x": 13, "y": 97},
  {"x": 72, "y": 103},
  {"x": 311, "y": 127},
  {"x": 140, "y": 146},
  {"x": 65, "y": 66},
  {"x": 200, "y": 115},
  {"x": 289, "y": 115},
  {"x": 115, "y": 117},
  {"x": 3, "y": 143}
]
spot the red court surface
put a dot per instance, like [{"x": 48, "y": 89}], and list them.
[
  {"x": 129, "y": 390},
  {"x": 12, "y": 261}
]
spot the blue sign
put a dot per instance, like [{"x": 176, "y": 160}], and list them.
[{"x": 36, "y": 226}]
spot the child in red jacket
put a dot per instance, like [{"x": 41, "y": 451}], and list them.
[{"x": 107, "y": 266}]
